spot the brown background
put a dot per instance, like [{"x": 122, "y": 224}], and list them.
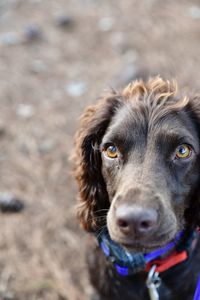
[{"x": 45, "y": 82}]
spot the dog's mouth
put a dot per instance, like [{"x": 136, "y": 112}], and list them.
[
  {"x": 143, "y": 248},
  {"x": 146, "y": 246}
]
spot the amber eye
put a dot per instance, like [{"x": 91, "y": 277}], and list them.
[
  {"x": 183, "y": 151},
  {"x": 111, "y": 151}
]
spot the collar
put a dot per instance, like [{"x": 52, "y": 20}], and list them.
[{"x": 126, "y": 263}]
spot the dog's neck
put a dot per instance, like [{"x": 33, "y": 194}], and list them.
[{"x": 127, "y": 263}]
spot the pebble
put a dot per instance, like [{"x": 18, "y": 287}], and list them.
[
  {"x": 36, "y": 1},
  {"x": 2, "y": 129},
  {"x": 38, "y": 66},
  {"x": 10, "y": 203},
  {"x": 64, "y": 20},
  {"x": 3, "y": 157},
  {"x": 25, "y": 111},
  {"x": 76, "y": 89},
  {"x": 118, "y": 41},
  {"x": 106, "y": 24},
  {"x": 32, "y": 32},
  {"x": 4, "y": 16},
  {"x": 126, "y": 75},
  {"x": 8, "y": 296},
  {"x": 130, "y": 56},
  {"x": 46, "y": 146},
  {"x": 10, "y": 39},
  {"x": 194, "y": 12}
]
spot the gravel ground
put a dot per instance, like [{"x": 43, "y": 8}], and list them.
[{"x": 56, "y": 57}]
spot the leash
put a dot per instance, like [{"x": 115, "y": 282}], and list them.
[{"x": 153, "y": 263}]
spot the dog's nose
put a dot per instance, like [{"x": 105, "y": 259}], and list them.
[{"x": 136, "y": 220}]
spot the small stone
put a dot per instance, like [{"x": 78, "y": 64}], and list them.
[
  {"x": 194, "y": 12},
  {"x": 130, "y": 57},
  {"x": 119, "y": 42},
  {"x": 76, "y": 89},
  {"x": 4, "y": 16},
  {"x": 24, "y": 149},
  {"x": 10, "y": 39},
  {"x": 36, "y": 1},
  {"x": 9, "y": 203},
  {"x": 3, "y": 157},
  {"x": 2, "y": 129},
  {"x": 46, "y": 146},
  {"x": 126, "y": 75},
  {"x": 8, "y": 296},
  {"x": 106, "y": 24},
  {"x": 32, "y": 32},
  {"x": 38, "y": 66},
  {"x": 25, "y": 111},
  {"x": 64, "y": 20}
]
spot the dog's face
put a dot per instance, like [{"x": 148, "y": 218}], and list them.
[
  {"x": 150, "y": 164},
  {"x": 138, "y": 165}
]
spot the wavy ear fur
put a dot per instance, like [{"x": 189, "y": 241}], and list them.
[
  {"x": 194, "y": 209},
  {"x": 93, "y": 195}
]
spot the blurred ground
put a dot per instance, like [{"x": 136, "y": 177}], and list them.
[{"x": 56, "y": 57}]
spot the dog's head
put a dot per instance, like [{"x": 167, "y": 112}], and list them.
[{"x": 138, "y": 164}]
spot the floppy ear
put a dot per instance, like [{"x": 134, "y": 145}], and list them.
[
  {"x": 193, "y": 212},
  {"x": 93, "y": 196}
]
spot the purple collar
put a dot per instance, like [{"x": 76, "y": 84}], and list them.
[
  {"x": 126, "y": 263},
  {"x": 197, "y": 292}
]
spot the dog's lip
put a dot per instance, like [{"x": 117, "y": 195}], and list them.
[{"x": 145, "y": 247}]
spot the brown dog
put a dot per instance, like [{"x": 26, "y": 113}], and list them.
[{"x": 138, "y": 162}]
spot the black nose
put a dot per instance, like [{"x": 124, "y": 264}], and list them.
[{"x": 136, "y": 220}]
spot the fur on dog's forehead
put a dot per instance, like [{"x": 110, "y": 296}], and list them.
[{"x": 134, "y": 120}]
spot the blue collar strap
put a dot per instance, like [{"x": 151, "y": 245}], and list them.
[
  {"x": 197, "y": 292},
  {"x": 127, "y": 263}
]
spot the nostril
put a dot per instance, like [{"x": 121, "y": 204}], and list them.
[
  {"x": 145, "y": 224},
  {"x": 122, "y": 223}
]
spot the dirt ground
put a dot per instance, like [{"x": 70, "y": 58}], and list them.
[{"x": 56, "y": 57}]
